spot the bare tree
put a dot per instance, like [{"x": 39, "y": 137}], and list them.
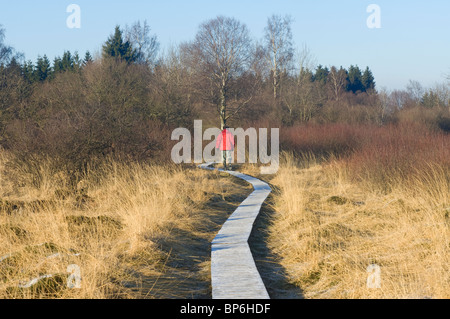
[
  {"x": 384, "y": 105},
  {"x": 399, "y": 99},
  {"x": 259, "y": 65},
  {"x": 442, "y": 91},
  {"x": 278, "y": 37},
  {"x": 337, "y": 81},
  {"x": 221, "y": 53},
  {"x": 7, "y": 53},
  {"x": 145, "y": 44},
  {"x": 302, "y": 99},
  {"x": 415, "y": 90},
  {"x": 171, "y": 89},
  {"x": 305, "y": 61}
]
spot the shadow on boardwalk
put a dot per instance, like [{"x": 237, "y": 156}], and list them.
[{"x": 272, "y": 273}]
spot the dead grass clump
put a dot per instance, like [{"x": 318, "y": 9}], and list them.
[
  {"x": 108, "y": 226},
  {"x": 328, "y": 245}
]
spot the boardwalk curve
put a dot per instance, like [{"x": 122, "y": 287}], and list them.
[{"x": 233, "y": 271}]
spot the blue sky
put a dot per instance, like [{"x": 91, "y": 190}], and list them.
[{"x": 412, "y": 43}]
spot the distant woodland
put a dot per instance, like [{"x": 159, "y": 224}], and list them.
[{"x": 125, "y": 100}]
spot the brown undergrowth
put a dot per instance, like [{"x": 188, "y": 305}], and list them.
[
  {"x": 131, "y": 230},
  {"x": 333, "y": 221}
]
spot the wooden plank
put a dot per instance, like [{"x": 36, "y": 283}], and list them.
[{"x": 233, "y": 271}]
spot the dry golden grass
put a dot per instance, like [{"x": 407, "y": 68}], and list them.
[
  {"x": 113, "y": 227},
  {"x": 328, "y": 229},
  {"x": 139, "y": 230}
]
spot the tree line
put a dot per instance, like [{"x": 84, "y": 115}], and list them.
[{"x": 127, "y": 99}]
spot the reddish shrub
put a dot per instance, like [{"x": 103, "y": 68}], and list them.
[
  {"x": 381, "y": 155},
  {"x": 398, "y": 154},
  {"x": 324, "y": 140}
]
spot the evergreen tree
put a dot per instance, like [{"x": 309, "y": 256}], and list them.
[
  {"x": 87, "y": 58},
  {"x": 116, "y": 47},
  {"x": 14, "y": 64},
  {"x": 368, "y": 81},
  {"x": 355, "y": 79},
  {"x": 28, "y": 71},
  {"x": 42, "y": 70},
  {"x": 67, "y": 62},
  {"x": 430, "y": 99},
  {"x": 57, "y": 65},
  {"x": 321, "y": 74},
  {"x": 77, "y": 62}
]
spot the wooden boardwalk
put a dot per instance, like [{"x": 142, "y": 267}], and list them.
[{"x": 233, "y": 271}]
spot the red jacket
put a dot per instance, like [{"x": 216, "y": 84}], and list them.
[{"x": 225, "y": 141}]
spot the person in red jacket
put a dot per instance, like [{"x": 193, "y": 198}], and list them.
[{"x": 225, "y": 143}]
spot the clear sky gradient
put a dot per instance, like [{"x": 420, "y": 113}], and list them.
[{"x": 412, "y": 43}]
